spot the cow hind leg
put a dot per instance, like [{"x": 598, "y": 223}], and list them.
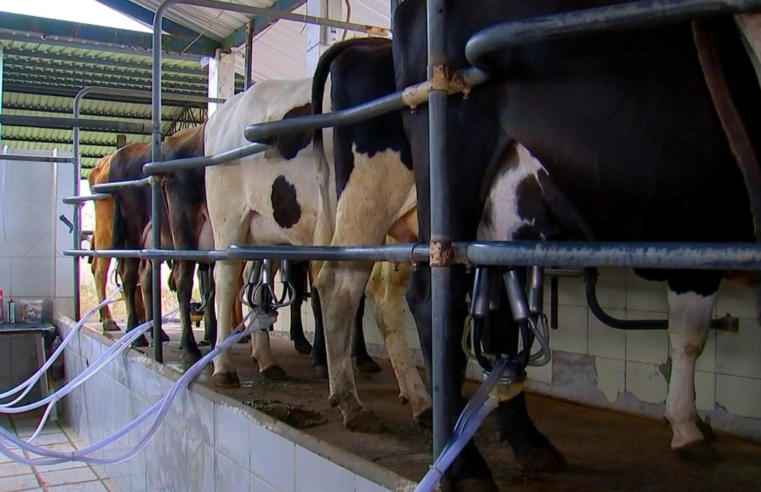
[
  {"x": 689, "y": 322},
  {"x": 100, "y": 274},
  {"x": 299, "y": 277},
  {"x": 130, "y": 267},
  {"x": 365, "y": 363},
  {"x": 533, "y": 451},
  {"x": 340, "y": 287},
  {"x": 146, "y": 287},
  {"x": 225, "y": 274},
  {"x": 386, "y": 293},
  {"x": 184, "y": 283},
  {"x": 319, "y": 355}
]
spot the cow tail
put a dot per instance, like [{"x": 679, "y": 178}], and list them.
[{"x": 325, "y": 227}]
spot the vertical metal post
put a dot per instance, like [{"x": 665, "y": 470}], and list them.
[
  {"x": 77, "y": 219},
  {"x": 156, "y": 200},
  {"x": 393, "y": 4},
  {"x": 443, "y": 373},
  {"x": 248, "y": 56}
]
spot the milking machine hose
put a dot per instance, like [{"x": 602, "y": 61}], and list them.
[
  {"x": 163, "y": 405},
  {"x": 478, "y": 408},
  {"x": 29, "y": 383}
]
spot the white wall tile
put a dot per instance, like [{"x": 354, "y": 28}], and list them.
[
  {"x": 646, "y": 382},
  {"x": 571, "y": 335},
  {"x": 64, "y": 277},
  {"x": 738, "y": 300},
  {"x": 25, "y": 228},
  {"x": 65, "y": 306},
  {"x": 43, "y": 249},
  {"x": 259, "y": 486},
  {"x": 31, "y": 181},
  {"x": 272, "y": 458},
  {"x": 611, "y": 288},
  {"x": 705, "y": 390},
  {"x": 32, "y": 277},
  {"x": 571, "y": 292},
  {"x": 740, "y": 396},
  {"x": 707, "y": 359},
  {"x": 365, "y": 485},
  {"x": 230, "y": 477},
  {"x": 5, "y": 278},
  {"x": 648, "y": 346},
  {"x": 737, "y": 354},
  {"x": 229, "y": 439},
  {"x": 605, "y": 341},
  {"x": 611, "y": 377},
  {"x": 542, "y": 374},
  {"x": 332, "y": 478},
  {"x": 643, "y": 295}
]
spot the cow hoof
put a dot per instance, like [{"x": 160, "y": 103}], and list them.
[
  {"x": 366, "y": 422},
  {"x": 542, "y": 459},
  {"x": 141, "y": 342},
  {"x": 302, "y": 346},
  {"x": 225, "y": 380},
  {"x": 274, "y": 373},
  {"x": 708, "y": 434},
  {"x": 698, "y": 452},
  {"x": 475, "y": 485},
  {"x": 368, "y": 366},
  {"x": 320, "y": 371},
  {"x": 110, "y": 325},
  {"x": 425, "y": 418},
  {"x": 191, "y": 357},
  {"x": 204, "y": 343},
  {"x": 164, "y": 336}
]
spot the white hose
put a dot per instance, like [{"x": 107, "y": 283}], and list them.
[
  {"x": 56, "y": 457},
  {"x": 471, "y": 418},
  {"x": 29, "y": 383}
]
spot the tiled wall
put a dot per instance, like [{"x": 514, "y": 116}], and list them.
[
  {"x": 31, "y": 260},
  {"x": 626, "y": 370},
  {"x": 208, "y": 442}
]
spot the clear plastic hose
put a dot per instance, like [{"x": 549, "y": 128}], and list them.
[
  {"x": 162, "y": 406},
  {"x": 29, "y": 383},
  {"x": 471, "y": 418}
]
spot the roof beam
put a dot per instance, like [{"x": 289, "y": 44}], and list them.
[
  {"x": 260, "y": 23},
  {"x": 45, "y": 90},
  {"x": 49, "y": 31},
  {"x": 61, "y": 141}
]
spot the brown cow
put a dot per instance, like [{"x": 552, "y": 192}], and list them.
[{"x": 102, "y": 239}]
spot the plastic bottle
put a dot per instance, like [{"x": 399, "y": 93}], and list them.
[{"x": 11, "y": 311}]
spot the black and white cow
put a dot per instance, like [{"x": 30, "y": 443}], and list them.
[
  {"x": 273, "y": 198},
  {"x": 625, "y": 144}
]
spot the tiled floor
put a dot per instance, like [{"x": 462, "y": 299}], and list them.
[{"x": 66, "y": 477}]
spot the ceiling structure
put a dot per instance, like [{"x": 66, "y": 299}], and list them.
[{"x": 46, "y": 62}]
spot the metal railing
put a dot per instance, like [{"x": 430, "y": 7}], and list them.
[{"x": 634, "y": 255}]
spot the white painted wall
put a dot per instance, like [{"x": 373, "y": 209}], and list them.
[{"x": 32, "y": 264}]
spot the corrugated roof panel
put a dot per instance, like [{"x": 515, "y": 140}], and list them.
[{"x": 216, "y": 24}]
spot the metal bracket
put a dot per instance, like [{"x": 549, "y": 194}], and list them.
[{"x": 441, "y": 254}]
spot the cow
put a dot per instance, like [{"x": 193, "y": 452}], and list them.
[
  {"x": 271, "y": 198},
  {"x": 624, "y": 144},
  {"x": 101, "y": 239}
]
